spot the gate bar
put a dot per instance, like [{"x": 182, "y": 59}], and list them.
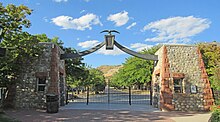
[
  {"x": 87, "y": 101},
  {"x": 129, "y": 95},
  {"x": 108, "y": 91}
]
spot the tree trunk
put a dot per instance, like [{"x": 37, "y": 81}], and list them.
[{"x": 10, "y": 97}]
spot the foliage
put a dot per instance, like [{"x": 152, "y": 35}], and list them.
[
  {"x": 211, "y": 58},
  {"x": 135, "y": 70},
  {"x": 55, "y": 40},
  {"x": 119, "y": 79},
  {"x": 13, "y": 19},
  {"x": 82, "y": 77},
  {"x": 216, "y": 114},
  {"x": 25, "y": 50},
  {"x": 96, "y": 80},
  {"x": 76, "y": 71}
]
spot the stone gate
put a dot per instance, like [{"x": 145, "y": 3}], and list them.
[
  {"x": 45, "y": 76},
  {"x": 180, "y": 81}
]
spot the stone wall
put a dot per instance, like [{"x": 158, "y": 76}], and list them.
[
  {"x": 156, "y": 76},
  {"x": 185, "y": 62},
  {"x": 188, "y": 102},
  {"x": 166, "y": 95},
  {"x": 49, "y": 66}
]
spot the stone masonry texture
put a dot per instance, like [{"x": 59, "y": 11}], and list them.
[
  {"x": 49, "y": 66},
  {"x": 181, "y": 61}
]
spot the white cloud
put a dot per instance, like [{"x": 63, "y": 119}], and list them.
[
  {"x": 58, "y": 1},
  {"x": 88, "y": 44},
  {"x": 92, "y": 43},
  {"x": 82, "y": 23},
  {"x": 176, "y": 29},
  {"x": 45, "y": 19},
  {"x": 119, "y": 18},
  {"x": 140, "y": 46},
  {"x": 132, "y": 25},
  {"x": 115, "y": 51},
  {"x": 82, "y": 11}
]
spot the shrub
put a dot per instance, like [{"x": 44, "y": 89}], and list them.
[{"x": 216, "y": 114}]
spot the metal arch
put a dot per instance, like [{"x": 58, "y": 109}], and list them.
[
  {"x": 143, "y": 56},
  {"x": 83, "y": 53},
  {"x": 86, "y": 52}
]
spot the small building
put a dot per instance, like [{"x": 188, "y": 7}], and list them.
[
  {"x": 44, "y": 77},
  {"x": 180, "y": 81}
]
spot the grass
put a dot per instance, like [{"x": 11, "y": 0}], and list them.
[{"x": 5, "y": 118}]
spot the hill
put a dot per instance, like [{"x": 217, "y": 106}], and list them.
[{"x": 109, "y": 70}]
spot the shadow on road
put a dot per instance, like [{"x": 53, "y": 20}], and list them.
[{"x": 94, "y": 116}]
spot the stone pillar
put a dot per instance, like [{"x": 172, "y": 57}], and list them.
[
  {"x": 207, "y": 92},
  {"x": 166, "y": 95},
  {"x": 53, "y": 87}
]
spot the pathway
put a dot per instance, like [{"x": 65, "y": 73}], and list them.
[
  {"x": 105, "y": 106},
  {"x": 76, "y": 115}
]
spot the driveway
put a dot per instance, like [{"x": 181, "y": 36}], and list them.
[
  {"x": 89, "y": 116},
  {"x": 102, "y": 113},
  {"x": 106, "y": 106}
]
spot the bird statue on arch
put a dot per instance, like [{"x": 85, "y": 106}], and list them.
[{"x": 110, "y": 31}]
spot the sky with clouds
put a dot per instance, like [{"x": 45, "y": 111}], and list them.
[{"x": 142, "y": 24}]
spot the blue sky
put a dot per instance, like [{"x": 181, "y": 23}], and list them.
[{"x": 141, "y": 23}]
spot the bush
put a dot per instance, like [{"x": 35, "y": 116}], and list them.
[{"x": 216, "y": 114}]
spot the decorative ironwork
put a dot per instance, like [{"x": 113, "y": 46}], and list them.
[
  {"x": 83, "y": 53},
  {"x": 112, "y": 96},
  {"x": 110, "y": 42},
  {"x": 136, "y": 54},
  {"x": 109, "y": 39}
]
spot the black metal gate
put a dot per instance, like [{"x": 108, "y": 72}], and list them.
[{"x": 111, "y": 95}]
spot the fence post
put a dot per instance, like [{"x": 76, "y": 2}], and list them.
[
  {"x": 151, "y": 93},
  {"x": 108, "y": 91},
  {"x": 129, "y": 95},
  {"x": 87, "y": 102}
]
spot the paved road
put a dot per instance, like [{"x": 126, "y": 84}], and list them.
[
  {"x": 80, "y": 112},
  {"x": 76, "y": 115},
  {"x": 106, "y": 106}
]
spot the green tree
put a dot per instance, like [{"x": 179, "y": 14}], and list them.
[
  {"x": 135, "y": 71},
  {"x": 25, "y": 51},
  {"x": 55, "y": 40},
  {"x": 211, "y": 57},
  {"x": 76, "y": 71},
  {"x": 13, "y": 19},
  {"x": 119, "y": 79},
  {"x": 96, "y": 80},
  {"x": 92, "y": 78},
  {"x": 23, "y": 48}
]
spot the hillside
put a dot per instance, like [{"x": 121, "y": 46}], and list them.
[{"x": 109, "y": 70}]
